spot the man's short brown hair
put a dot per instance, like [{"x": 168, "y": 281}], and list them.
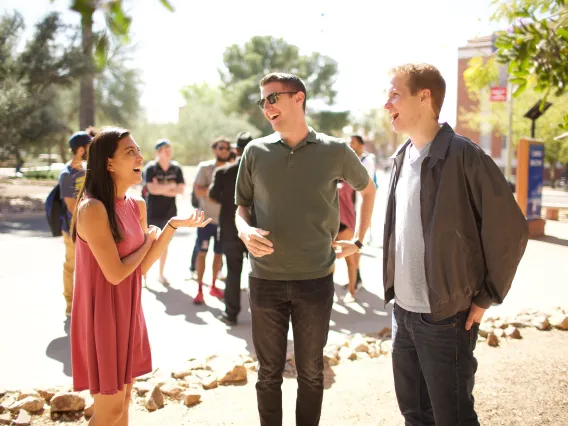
[
  {"x": 424, "y": 76},
  {"x": 292, "y": 82}
]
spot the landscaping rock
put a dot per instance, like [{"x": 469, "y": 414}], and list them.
[
  {"x": 154, "y": 399},
  {"x": 66, "y": 402}
]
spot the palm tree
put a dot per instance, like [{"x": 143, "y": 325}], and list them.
[{"x": 95, "y": 46}]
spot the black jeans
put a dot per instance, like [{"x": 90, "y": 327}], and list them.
[
  {"x": 194, "y": 254},
  {"x": 309, "y": 304},
  {"x": 235, "y": 252},
  {"x": 434, "y": 368}
]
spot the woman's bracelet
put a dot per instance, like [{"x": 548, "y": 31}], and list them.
[{"x": 171, "y": 225}]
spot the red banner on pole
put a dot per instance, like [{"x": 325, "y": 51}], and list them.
[{"x": 498, "y": 94}]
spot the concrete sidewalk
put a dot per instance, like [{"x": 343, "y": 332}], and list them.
[
  {"x": 36, "y": 350},
  {"x": 36, "y": 345}
]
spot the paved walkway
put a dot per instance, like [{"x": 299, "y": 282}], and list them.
[{"x": 35, "y": 349}]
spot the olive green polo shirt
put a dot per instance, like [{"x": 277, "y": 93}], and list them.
[{"x": 294, "y": 196}]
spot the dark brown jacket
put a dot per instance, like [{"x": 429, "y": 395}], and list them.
[{"x": 474, "y": 232}]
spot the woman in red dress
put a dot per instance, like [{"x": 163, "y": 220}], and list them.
[{"x": 114, "y": 248}]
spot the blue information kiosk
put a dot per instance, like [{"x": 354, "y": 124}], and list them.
[{"x": 530, "y": 168}]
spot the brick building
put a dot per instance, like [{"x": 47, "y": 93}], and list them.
[{"x": 493, "y": 143}]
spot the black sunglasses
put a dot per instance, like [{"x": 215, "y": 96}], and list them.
[{"x": 273, "y": 98}]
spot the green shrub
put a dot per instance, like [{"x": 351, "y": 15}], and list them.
[{"x": 42, "y": 174}]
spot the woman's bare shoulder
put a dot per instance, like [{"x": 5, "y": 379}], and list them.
[{"x": 91, "y": 208}]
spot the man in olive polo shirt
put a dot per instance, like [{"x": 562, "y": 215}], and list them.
[{"x": 290, "y": 180}]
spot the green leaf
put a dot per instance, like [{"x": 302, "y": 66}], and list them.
[
  {"x": 522, "y": 14},
  {"x": 520, "y": 89},
  {"x": 84, "y": 7},
  {"x": 562, "y": 32},
  {"x": 167, "y": 5},
  {"x": 512, "y": 66},
  {"x": 504, "y": 42},
  {"x": 117, "y": 21},
  {"x": 518, "y": 81},
  {"x": 101, "y": 51},
  {"x": 521, "y": 73}
]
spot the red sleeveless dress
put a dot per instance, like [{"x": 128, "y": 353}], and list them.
[{"x": 109, "y": 339}]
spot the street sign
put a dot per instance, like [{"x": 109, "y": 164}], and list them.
[
  {"x": 498, "y": 94},
  {"x": 536, "y": 166}
]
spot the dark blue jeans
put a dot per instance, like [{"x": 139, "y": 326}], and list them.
[
  {"x": 434, "y": 368},
  {"x": 308, "y": 303}
]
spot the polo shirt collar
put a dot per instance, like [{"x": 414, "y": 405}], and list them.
[{"x": 312, "y": 137}]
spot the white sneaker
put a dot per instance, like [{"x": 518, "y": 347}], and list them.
[{"x": 349, "y": 298}]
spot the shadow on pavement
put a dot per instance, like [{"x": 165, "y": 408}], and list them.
[
  {"x": 366, "y": 315},
  {"x": 552, "y": 240},
  {"x": 59, "y": 349},
  {"x": 243, "y": 330},
  {"x": 25, "y": 225},
  {"x": 178, "y": 302}
]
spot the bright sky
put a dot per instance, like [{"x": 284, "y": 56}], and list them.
[{"x": 366, "y": 38}]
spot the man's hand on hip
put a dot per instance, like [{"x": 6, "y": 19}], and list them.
[
  {"x": 256, "y": 242},
  {"x": 475, "y": 315}
]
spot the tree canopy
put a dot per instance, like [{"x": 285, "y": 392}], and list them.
[
  {"x": 535, "y": 45},
  {"x": 201, "y": 120},
  {"x": 30, "y": 78},
  {"x": 244, "y": 67}
]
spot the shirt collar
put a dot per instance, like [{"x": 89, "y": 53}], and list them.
[{"x": 312, "y": 137}]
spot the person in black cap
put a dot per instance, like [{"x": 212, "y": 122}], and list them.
[
  {"x": 71, "y": 180},
  {"x": 222, "y": 190},
  {"x": 164, "y": 180}
]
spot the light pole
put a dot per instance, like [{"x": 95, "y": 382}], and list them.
[{"x": 509, "y": 163}]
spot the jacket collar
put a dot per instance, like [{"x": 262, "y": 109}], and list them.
[{"x": 439, "y": 147}]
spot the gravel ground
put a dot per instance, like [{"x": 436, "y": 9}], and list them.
[{"x": 523, "y": 382}]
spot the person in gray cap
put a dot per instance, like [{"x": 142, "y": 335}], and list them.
[
  {"x": 164, "y": 180},
  {"x": 222, "y": 190},
  {"x": 71, "y": 180}
]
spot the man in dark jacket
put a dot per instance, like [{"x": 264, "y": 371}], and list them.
[
  {"x": 222, "y": 190},
  {"x": 453, "y": 239}
]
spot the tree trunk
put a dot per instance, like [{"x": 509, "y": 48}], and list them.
[
  {"x": 87, "y": 88},
  {"x": 19, "y": 161},
  {"x": 63, "y": 149}
]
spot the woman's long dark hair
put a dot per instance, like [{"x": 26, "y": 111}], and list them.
[{"x": 98, "y": 180}]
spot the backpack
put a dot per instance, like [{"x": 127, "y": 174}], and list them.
[{"x": 56, "y": 211}]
